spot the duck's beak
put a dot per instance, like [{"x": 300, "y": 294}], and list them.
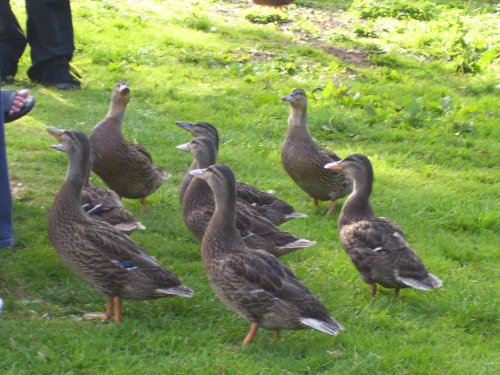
[
  {"x": 335, "y": 166},
  {"x": 183, "y": 147},
  {"x": 185, "y": 125},
  {"x": 57, "y": 134},
  {"x": 123, "y": 89},
  {"x": 197, "y": 172},
  {"x": 287, "y": 98}
]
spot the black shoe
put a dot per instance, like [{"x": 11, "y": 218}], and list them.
[
  {"x": 8, "y": 70},
  {"x": 56, "y": 72}
]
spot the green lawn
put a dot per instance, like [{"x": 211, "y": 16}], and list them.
[{"x": 416, "y": 91}]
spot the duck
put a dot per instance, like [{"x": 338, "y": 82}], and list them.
[
  {"x": 268, "y": 205},
  {"x": 198, "y": 206},
  {"x": 303, "y": 159},
  {"x": 106, "y": 258},
  {"x": 377, "y": 246},
  {"x": 104, "y": 204},
  {"x": 126, "y": 167},
  {"x": 253, "y": 283}
]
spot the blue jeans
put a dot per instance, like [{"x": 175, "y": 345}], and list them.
[{"x": 6, "y": 236}]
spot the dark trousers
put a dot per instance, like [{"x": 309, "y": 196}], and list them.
[
  {"x": 49, "y": 33},
  {"x": 6, "y": 238}
]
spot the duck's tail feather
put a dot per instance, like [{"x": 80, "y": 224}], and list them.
[
  {"x": 180, "y": 290},
  {"x": 129, "y": 227},
  {"x": 299, "y": 244},
  {"x": 332, "y": 328},
  {"x": 430, "y": 282},
  {"x": 294, "y": 215},
  {"x": 165, "y": 175}
]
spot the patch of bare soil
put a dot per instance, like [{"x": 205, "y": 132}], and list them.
[
  {"x": 16, "y": 188},
  {"x": 302, "y": 21}
]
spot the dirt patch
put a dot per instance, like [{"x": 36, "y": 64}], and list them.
[
  {"x": 16, "y": 188},
  {"x": 308, "y": 27}
]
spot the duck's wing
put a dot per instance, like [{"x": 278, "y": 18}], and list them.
[
  {"x": 378, "y": 234},
  {"x": 141, "y": 150},
  {"x": 259, "y": 277},
  {"x": 111, "y": 245},
  {"x": 328, "y": 155}
]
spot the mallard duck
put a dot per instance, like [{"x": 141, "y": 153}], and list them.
[
  {"x": 253, "y": 283},
  {"x": 376, "y": 245},
  {"x": 303, "y": 159},
  {"x": 96, "y": 251},
  {"x": 268, "y": 205},
  {"x": 104, "y": 204},
  {"x": 125, "y": 167},
  {"x": 256, "y": 230}
]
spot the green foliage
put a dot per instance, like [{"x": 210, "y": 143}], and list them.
[
  {"x": 265, "y": 16},
  {"x": 385, "y": 87},
  {"x": 416, "y": 9}
]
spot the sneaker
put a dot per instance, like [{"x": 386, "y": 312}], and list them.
[{"x": 56, "y": 72}]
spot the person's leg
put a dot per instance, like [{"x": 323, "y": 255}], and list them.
[
  {"x": 6, "y": 235},
  {"x": 50, "y": 35},
  {"x": 12, "y": 41}
]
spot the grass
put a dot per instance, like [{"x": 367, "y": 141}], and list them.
[{"x": 419, "y": 97}]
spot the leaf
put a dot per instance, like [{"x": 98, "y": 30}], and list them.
[
  {"x": 328, "y": 90},
  {"x": 487, "y": 58},
  {"x": 413, "y": 108}
]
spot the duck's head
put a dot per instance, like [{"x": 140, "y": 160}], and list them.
[
  {"x": 76, "y": 145},
  {"x": 358, "y": 166},
  {"x": 71, "y": 141},
  {"x": 203, "y": 150},
  {"x": 219, "y": 177},
  {"x": 297, "y": 99},
  {"x": 121, "y": 93},
  {"x": 200, "y": 129}
]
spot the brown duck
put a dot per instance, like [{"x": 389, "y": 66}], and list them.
[
  {"x": 96, "y": 251},
  {"x": 304, "y": 160},
  {"x": 253, "y": 283},
  {"x": 104, "y": 204},
  {"x": 376, "y": 245},
  {"x": 125, "y": 167},
  {"x": 198, "y": 206},
  {"x": 268, "y": 205}
]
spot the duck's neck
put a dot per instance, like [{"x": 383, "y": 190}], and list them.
[
  {"x": 68, "y": 200},
  {"x": 297, "y": 123},
  {"x": 358, "y": 206},
  {"x": 116, "y": 111},
  {"x": 187, "y": 179},
  {"x": 222, "y": 227},
  {"x": 109, "y": 130}
]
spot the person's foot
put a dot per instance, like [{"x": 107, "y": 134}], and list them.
[
  {"x": 19, "y": 101},
  {"x": 56, "y": 72},
  {"x": 16, "y": 104}
]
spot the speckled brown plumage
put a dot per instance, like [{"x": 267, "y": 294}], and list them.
[
  {"x": 125, "y": 167},
  {"x": 198, "y": 206},
  {"x": 268, "y": 205},
  {"x": 377, "y": 245},
  {"x": 253, "y": 283},
  {"x": 304, "y": 160},
  {"x": 97, "y": 252},
  {"x": 104, "y": 204}
]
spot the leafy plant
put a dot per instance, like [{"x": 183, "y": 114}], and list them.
[{"x": 401, "y": 9}]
